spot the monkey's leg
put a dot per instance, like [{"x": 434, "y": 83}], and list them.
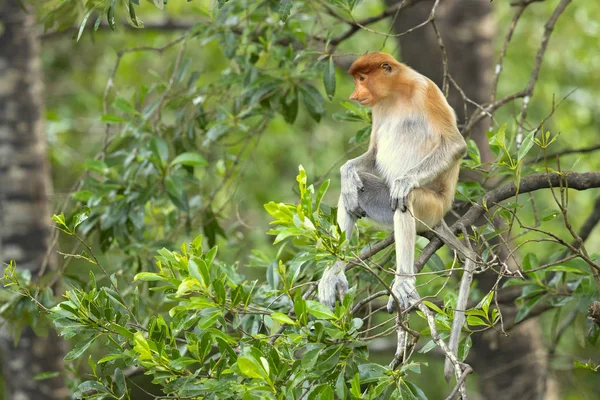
[
  {"x": 373, "y": 200},
  {"x": 427, "y": 206},
  {"x": 404, "y": 286}
]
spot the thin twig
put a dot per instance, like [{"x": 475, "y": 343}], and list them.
[{"x": 539, "y": 57}]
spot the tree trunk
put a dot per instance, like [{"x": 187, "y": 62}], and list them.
[
  {"x": 511, "y": 367},
  {"x": 25, "y": 186}
]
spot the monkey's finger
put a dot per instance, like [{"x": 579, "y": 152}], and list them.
[
  {"x": 342, "y": 289},
  {"x": 391, "y": 305},
  {"x": 358, "y": 182},
  {"x": 401, "y": 204}
]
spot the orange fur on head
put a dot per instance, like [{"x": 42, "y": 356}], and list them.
[{"x": 378, "y": 76}]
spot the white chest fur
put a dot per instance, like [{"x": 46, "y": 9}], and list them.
[{"x": 401, "y": 144}]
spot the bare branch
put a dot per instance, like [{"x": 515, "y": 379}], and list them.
[
  {"x": 356, "y": 26},
  {"x": 577, "y": 181},
  {"x": 565, "y": 152},
  {"x": 539, "y": 57}
]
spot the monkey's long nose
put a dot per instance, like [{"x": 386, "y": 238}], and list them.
[{"x": 354, "y": 96}]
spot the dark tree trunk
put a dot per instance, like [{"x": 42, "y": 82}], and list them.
[
  {"x": 24, "y": 196},
  {"x": 511, "y": 367}
]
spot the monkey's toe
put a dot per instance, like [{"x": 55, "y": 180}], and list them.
[
  {"x": 333, "y": 284},
  {"x": 406, "y": 293}
]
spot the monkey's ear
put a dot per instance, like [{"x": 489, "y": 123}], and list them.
[{"x": 386, "y": 67}]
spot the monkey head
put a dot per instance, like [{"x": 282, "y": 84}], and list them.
[{"x": 378, "y": 76}]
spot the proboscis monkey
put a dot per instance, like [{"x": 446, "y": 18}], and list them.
[{"x": 410, "y": 169}]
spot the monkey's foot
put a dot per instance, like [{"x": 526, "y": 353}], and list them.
[
  {"x": 333, "y": 283},
  {"x": 405, "y": 291}
]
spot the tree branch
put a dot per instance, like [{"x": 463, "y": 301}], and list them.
[
  {"x": 357, "y": 26},
  {"x": 574, "y": 180},
  {"x": 573, "y": 151},
  {"x": 539, "y": 57}
]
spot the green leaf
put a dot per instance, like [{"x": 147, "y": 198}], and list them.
[
  {"x": 83, "y": 22},
  {"x": 110, "y": 17},
  {"x": 46, "y": 375},
  {"x": 124, "y": 106},
  {"x": 321, "y": 392},
  {"x": 112, "y": 119},
  {"x": 159, "y": 4},
  {"x": 199, "y": 270},
  {"x": 160, "y": 149},
  {"x": 415, "y": 391},
  {"x": 329, "y": 78},
  {"x": 527, "y": 307},
  {"x": 314, "y": 102},
  {"x": 209, "y": 317},
  {"x": 109, "y": 357},
  {"x": 190, "y": 159},
  {"x": 289, "y": 106},
  {"x": 309, "y": 358},
  {"x": 250, "y": 367},
  {"x": 589, "y": 366},
  {"x": 476, "y": 321},
  {"x": 526, "y": 145},
  {"x": 126, "y": 333},
  {"x": 435, "y": 263},
  {"x": 92, "y": 386},
  {"x": 319, "y": 310},
  {"x": 464, "y": 347},
  {"x": 284, "y": 9},
  {"x": 134, "y": 21},
  {"x": 80, "y": 348},
  {"x": 371, "y": 372},
  {"x": 300, "y": 308},
  {"x": 548, "y": 215},
  {"x": 530, "y": 262},
  {"x": 176, "y": 194},
  {"x": 355, "y": 386},
  {"x": 187, "y": 286},
  {"x": 321, "y": 193},
  {"x": 484, "y": 304},
  {"x": 328, "y": 358},
  {"x": 80, "y": 217},
  {"x": 96, "y": 166},
  {"x": 141, "y": 346},
  {"x": 120, "y": 381},
  {"x": 282, "y": 318},
  {"x": 148, "y": 276},
  {"x": 62, "y": 225},
  {"x": 340, "y": 386}
]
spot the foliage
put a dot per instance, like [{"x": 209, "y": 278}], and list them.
[{"x": 213, "y": 336}]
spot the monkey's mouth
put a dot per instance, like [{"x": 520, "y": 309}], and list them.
[{"x": 364, "y": 101}]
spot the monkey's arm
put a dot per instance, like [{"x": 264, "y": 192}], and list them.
[
  {"x": 439, "y": 160},
  {"x": 351, "y": 182}
]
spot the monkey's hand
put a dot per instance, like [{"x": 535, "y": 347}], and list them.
[
  {"x": 400, "y": 190},
  {"x": 405, "y": 290},
  {"x": 333, "y": 283},
  {"x": 351, "y": 185}
]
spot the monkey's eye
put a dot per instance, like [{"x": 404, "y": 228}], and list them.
[{"x": 361, "y": 78}]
